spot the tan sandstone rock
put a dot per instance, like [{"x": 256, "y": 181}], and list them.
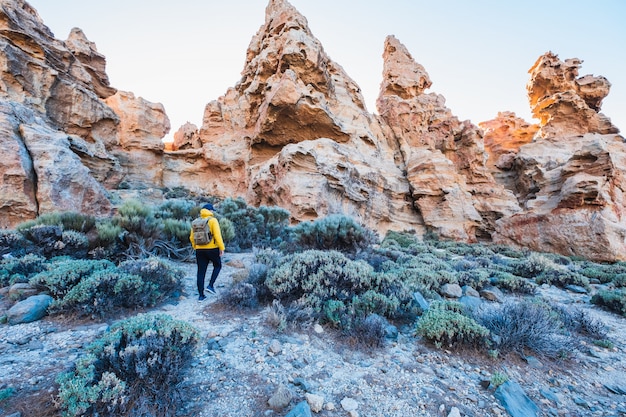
[
  {"x": 570, "y": 178},
  {"x": 64, "y": 142},
  {"x": 295, "y": 132},
  {"x": 444, "y": 157},
  {"x": 566, "y": 104}
]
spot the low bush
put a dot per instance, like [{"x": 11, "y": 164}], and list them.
[
  {"x": 614, "y": 300},
  {"x": 14, "y": 270},
  {"x": 335, "y": 289},
  {"x": 254, "y": 227},
  {"x": 133, "y": 370},
  {"x": 562, "y": 277},
  {"x": 98, "y": 289},
  {"x": 370, "y": 331},
  {"x": 62, "y": 275},
  {"x": 445, "y": 325},
  {"x": 335, "y": 232},
  {"x": 513, "y": 283},
  {"x": 534, "y": 265},
  {"x": 68, "y": 220},
  {"x": 13, "y": 242},
  {"x": 577, "y": 320},
  {"x": 526, "y": 325},
  {"x": 313, "y": 277},
  {"x": 604, "y": 273}
]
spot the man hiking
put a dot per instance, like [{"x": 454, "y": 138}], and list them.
[{"x": 209, "y": 247}]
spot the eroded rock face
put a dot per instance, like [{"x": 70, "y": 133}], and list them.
[
  {"x": 503, "y": 137},
  {"x": 566, "y": 104},
  {"x": 570, "y": 178},
  {"x": 444, "y": 157},
  {"x": 295, "y": 132},
  {"x": 63, "y": 142}
]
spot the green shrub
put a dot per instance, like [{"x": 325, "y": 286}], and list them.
[
  {"x": 108, "y": 232},
  {"x": 526, "y": 325},
  {"x": 228, "y": 230},
  {"x": 497, "y": 379},
  {"x": 134, "y": 284},
  {"x": 176, "y": 209},
  {"x": 13, "y": 243},
  {"x": 63, "y": 275},
  {"x": 604, "y": 273},
  {"x": 6, "y": 393},
  {"x": 13, "y": 270},
  {"x": 371, "y": 302},
  {"x": 77, "y": 222},
  {"x": 513, "y": 283},
  {"x": 614, "y": 300},
  {"x": 262, "y": 227},
  {"x": 177, "y": 230},
  {"x": 335, "y": 232},
  {"x": 445, "y": 325},
  {"x": 161, "y": 275},
  {"x": 401, "y": 239},
  {"x": 534, "y": 265},
  {"x": 313, "y": 277},
  {"x": 134, "y": 208},
  {"x": 477, "y": 278},
  {"x": 132, "y": 370},
  {"x": 562, "y": 277}
]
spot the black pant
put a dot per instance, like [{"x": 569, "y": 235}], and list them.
[{"x": 203, "y": 257}]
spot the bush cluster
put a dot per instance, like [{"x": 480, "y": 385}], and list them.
[
  {"x": 133, "y": 370},
  {"x": 445, "y": 324},
  {"x": 99, "y": 288},
  {"x": 334, "y": 232},
  {"x": 531, "y": 325},
  {"x": 614, "y": 300},
  {"x": 20, "y": 270},
  {"x": 254, "y": 227}
]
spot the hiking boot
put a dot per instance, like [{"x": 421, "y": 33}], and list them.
[
  {"x": 201, "y": 298},
  {"x": 211, "y": 290}
]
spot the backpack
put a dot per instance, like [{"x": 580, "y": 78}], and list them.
[{"x": 201, "y": 231}]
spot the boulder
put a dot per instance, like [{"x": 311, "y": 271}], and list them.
[
  {"x": 32, "y": 309},
  {"x": 515, "y": 401}
]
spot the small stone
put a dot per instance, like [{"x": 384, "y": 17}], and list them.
[
  {"x": 454, "y": 412},
  {"x": 349, "y": 404},
  {"x": 275, "y": 347},
  {"x": 330, "y": 406},
  {"x": 316, "y": 402},
  {"x": 281, "y": 398},
  {"x": 318, "y": 328},
  {"x": 451, "y": 290}
]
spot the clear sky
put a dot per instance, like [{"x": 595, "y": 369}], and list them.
[{"x": 186, "y": 53}]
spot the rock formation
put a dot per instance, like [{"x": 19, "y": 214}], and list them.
[
  {"x": 67, "y": 134},
  {"x": 295, "y": 132},
  {"x": 564, "y": 104},
  {"x": 444, "y": 158},
  {"x": 503, "y": 136},
  {"x": 570, "y": 179}
]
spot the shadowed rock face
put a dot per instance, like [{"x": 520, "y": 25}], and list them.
[
  {"x": 444, "y": 157},
  {"x": 295, "y": 132},
  {"x": 62, "y": 142},
  {"x": 569, "y": 179}
]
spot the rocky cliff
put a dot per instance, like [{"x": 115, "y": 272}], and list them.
[{"x": 295, "y": 132}]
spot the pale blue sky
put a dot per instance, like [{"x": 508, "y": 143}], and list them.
[{"x": 185, "y": 53}]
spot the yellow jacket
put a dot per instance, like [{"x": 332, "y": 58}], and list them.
[{"x": 214, "y": 225}]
